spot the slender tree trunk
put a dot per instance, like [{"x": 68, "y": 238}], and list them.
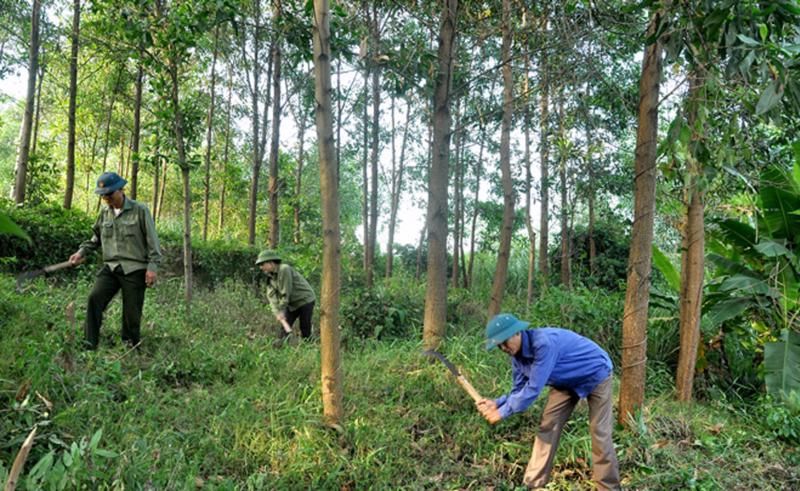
[
  {"x": 397, "y": 188},
  {"x": 544, "y": 149},
  {"x": 38, "y": 112},
  {"x": 566, "y": 269},
  {"x": 73, "y": 95},
  {"x": 251, "y": 223},
  {"x": 478, "y": 177},
  {"x": 592, "y": 192},
  {"x": 435, "y": 320},
  {"x": 528, "y": 182},
  {"x": 209, "y": 131},
  {"x": 457, "y": 163},
  {"x": 21, "y": 171},
  {"x": 156, "y": 184},
  {"x": 420, "y": 244},
  {"x": 376, "y": 114},
  {"x": 637, "y": 295},
  {"x": 364, "y": 166},
  {"x": 329, "y": 311},
  {"x": 225, "y": 155},
  {"x": 274, "y": 229},
  {"x": 298, "y": 180},
  {"x": 107, "y": 132},
  {"x": 692, "y": 254},
  {"x": 137, "y": 131},
  {"x": 501, "y": 268},
  {"x": 164, "y": 169}
]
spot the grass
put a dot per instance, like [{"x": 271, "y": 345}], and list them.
[{"x": 211, "y": 401}]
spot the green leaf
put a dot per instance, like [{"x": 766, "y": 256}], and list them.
[
  {"x": 738, "y": 234},
  {"x": 663, "y": 264},
  {"x": 747, "y": 40},
  {"x": 7, "y": 226},
  {"x": 106, "y": 453},
  {"x": 782, "y": 364},
  {"x": 772, "y": 248},
  {"x": 727, "y": 309},
  {"x": 747, "y": 284},
  {"x": 96, "y": 438},
  {"x": 763, "y": 31},
  {"x": 770, "y": 97}
]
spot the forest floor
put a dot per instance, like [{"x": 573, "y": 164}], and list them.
[{"x": 212, "y": 400}]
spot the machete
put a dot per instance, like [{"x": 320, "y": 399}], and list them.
[
  {"x": 29, "y": 275},
  {"x": 462, "y": 381}
]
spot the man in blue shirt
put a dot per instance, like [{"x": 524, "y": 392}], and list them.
[{"x": 575, "y": 368}]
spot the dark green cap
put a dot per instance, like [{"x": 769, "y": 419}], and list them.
[
  {"x": 502, "y": 327},
  {"x": 109, "y": 182},
  {"x": 268, "y": 255}
]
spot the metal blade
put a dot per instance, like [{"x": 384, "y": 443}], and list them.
[{"x": 441, "y": 357}]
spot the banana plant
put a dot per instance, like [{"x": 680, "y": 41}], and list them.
[{"x": 758, "y": 275}]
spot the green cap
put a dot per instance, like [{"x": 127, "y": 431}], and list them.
[
  {"x": 502, "y": 327},
  {"x": 268, "y": 255},
  {"x": 108, "y": 182}
]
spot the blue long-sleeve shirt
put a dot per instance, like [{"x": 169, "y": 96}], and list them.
[{"x": 556, "y": 357}]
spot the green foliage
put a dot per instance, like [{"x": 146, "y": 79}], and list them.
[
  {"x": 212, "y": 261},
  {"x": 385, "y": 312},
  {"x": 782, "y": 365},
  {"x": 8, "y": 227},
  {"x": 55, "y": 234},
  {"x": 781, "y": 419}
]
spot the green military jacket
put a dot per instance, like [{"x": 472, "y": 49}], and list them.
[
  {"x": 128, "y": 240},
  {"x": 288, "y": 290}
]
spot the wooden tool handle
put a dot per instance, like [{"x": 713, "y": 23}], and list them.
[
  {"x": 469, "y": 388},
  {"x": 56, "y": 267}
]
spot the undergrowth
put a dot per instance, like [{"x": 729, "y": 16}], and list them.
[{"x": 213, "y": 400}]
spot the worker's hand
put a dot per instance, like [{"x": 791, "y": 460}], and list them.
[
  {"x": 76, "y": 259},
  {"x": 150, "y": 278},
  {"x": 284, "y": 323},
  {"x": 488, "y": 410}
]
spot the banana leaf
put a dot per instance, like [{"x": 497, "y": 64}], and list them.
[{"x": 782, "y": 364}]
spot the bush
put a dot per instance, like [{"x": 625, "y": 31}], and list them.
[
  {"x": 212, "y": 261},
  {"x": 392, "y": 311},
  {"x": 55, "y": 232}
]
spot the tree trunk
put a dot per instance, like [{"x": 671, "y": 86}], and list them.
[
  {"x": 251, "y": 223},
  {"x": 364, "y": 166},
  {"x": 274, "y": 228},
  {"x": 435, "y": 320},
  {"x": 187, "y": 191},
  {"x": 298, "y": 180},
  {"x": 478, "y": 172},
  {"x": 592, "y": 192},
  {"x": 692, "y": 255},
  {"x": 137, "y": 131},
  {"x": 221, "y": 220},
  {"x": 21, "y": 171},
  {"x": 156, "y": 184},
  {"x": 376, "y": 114},
  {"x": 36, "y": 118},
  {"x": 164, "y": 169},
  {"x": 397, "y": 188},
  {"x": 209, "y": 131},
  {"x": 528, "y": 181},
  {"x": 73, "y": 94},
  {"x": 457, "y": 163},
  {"x": 329, "y": 295},
  {"x": 566, "y": 270},
  {"x": 637, "y": 295},
  {"x": 544, "y": 183},
  {"x": 501, "y": 268}
]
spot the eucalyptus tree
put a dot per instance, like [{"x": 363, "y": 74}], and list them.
[
  {"x": 209, "y": 130},
  {"x": 73, "y": 95},
  {"x": 275, "y": 55},
  {"x": 435, "y": 317},
  {"x": 23, "y": 153},
  {"x": 637, "y": 295},
  {"x": 504, "y": 250},
  {"x": 331, "y": 372}
]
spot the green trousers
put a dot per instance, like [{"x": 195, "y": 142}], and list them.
[{"x": 106, "y": 285}]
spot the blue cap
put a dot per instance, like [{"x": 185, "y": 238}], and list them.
[
  {"x": 109, "y": 182},
  {"x": 502, "y": 327}
]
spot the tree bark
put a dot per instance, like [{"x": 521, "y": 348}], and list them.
[
  {"x": 544, "y": 183},
  {"x": 692, "y": 255},
  {"x": 73, "y": 94},
  {"x": 331, "y": 372},
  {"x": 375, "y": 148},
  {"x": 225, "y": 155},
  {"x": 435, "y": 318},
  {"x": 637, "y": 295},
  {"x": 504, "y": 251},
  {"x": 397, "y": 188},
  {"x": 566, "y": 269},
  {"x": 251, "y": 223},
  {"x": 274, "y": 228},
  {"x": 528, "y": 181},
  {"x": 298, "y": 180},
  {"x": 21, "y": 171},
  {"x": 209, "y": 132},
  {"x": 137, "y": 131}
]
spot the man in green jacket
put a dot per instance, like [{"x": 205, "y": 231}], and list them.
[
  {"x": 289, "y": 294},
  {"x": 126, "y": 233}
]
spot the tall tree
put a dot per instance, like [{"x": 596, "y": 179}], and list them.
[
  {"x": 209, "y": 131},
  {"x": 21, "y": 173},
  {"x": 375, "y": 71},
  {"x": 544, "y": 150},
  {"x": 137, "y": 129},
  {"x": 73, "y": 94},
  {"x": 637, "y": 295},
  {"x": 329, "y": 184},
  {"x": 435, "y": 318},
  {"x": 274, "y": 228},
  {"x": 504, "y": 251}
]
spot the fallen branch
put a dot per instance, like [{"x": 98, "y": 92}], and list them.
[{"x": 19, "y": 462}]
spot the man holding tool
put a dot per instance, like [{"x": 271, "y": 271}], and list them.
[
  {"x": 289, "y": 294},
  {"x": 126, "y": 233},
  {"x": 574, "y": 367}
]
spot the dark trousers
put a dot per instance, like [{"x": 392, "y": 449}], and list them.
[
  {"x": 106, "y": 285},
  {"x": 304, "y": 313}
]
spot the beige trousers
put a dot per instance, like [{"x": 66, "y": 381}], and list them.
[{"x": 560, "y": 403}]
